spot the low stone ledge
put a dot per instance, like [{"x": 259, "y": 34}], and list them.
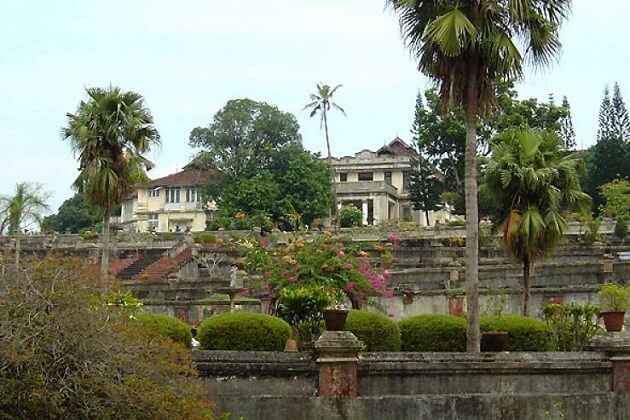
[{"x": 248, "y": 363}]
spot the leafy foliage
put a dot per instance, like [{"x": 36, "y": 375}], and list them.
[
  {"x": 377, "y": 332},
  {"x": 166, "y": 326},
  {"x": 349, "y": 216},
  {"x": 74, "y": 215},
  {"x": 322, "y": 262},
  {"x": 621, "y": 228},
  {"x": 524, "y": 333},
  {"x": 571, "y": 326},
  {"x": 425, "y": 188},
  {"x": 264, "y": 172},
  {"x": 302, "y": 307},
  {"x": 616, "y": 195},
  {"x": 66, "y": 354},
  {"x": 528, "y": 183},
  {"x": 204, "y": 237},
  {"x": 614, "y": 298},
  {"x": 433, "y": 333},
  {"x": 243, "y": 331},
  {"x": 23, "y": 208}
]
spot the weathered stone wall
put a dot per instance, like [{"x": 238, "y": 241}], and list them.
[{"x": 270, "y": 385}]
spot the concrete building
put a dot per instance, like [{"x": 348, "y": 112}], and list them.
[
  {"x": 378, "y": 183},
  {"x": 168, "y": 204}
]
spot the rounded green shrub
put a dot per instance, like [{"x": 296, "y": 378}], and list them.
[
  {"x": 243, "y": 331},
  {"x": 166, "y": 326},
  {"x": 524, "y": 333},
  {"x": 433, "y": 333},
  {"x": 204, "y": 237},
  {"x": 377, "y": 332}
]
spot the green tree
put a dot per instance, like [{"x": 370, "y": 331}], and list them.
[
  {"x": 605, "y": 130},
  {"x": 466, "y": 47},
  {"x": 619, "y": 119},
  {"x": 425, "y": 188},
  {"x": 262, "y": 168},
  {"x": 616, "y": 194},
  {"x": 321, "y": 102},
  {"x": 23, "y": 208},
  {"x": 530, "y": 182},
  {"x": 110, "y": 133},
  {"x": 74, "y": 215},
  {"x": 567, "y": 133}
]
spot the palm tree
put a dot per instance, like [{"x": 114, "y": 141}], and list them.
[
  {"x": 109, "y": 133},
  {"x": 23, "y": 208},
  {"x": 530, "y": 183},
  {"x": 322, "y": 103},
  {"x": 466, "y": 47}
]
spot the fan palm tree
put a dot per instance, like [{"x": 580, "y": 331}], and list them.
[
  {"x": 322, "y": 103},
  {"x": 109, "y": 133},
  {"x": 466, "y": 47},
  {"x": 530, "y": 183},
  {"x": 25, "y": 207}
]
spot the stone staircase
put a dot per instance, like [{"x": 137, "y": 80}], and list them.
[
  {"x": 167, "y": 264},
  {"x": 135, "y": 268}
]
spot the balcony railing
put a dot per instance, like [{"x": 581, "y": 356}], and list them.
[{"x": 365, "y": 187}]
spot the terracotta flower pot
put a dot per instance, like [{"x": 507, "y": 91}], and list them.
[
  {"x": 335, "y": 319},
  {"x": 494, "y": 341},
  {"x": 290, "y": 346},
  {"x": 613, "y": 320}
]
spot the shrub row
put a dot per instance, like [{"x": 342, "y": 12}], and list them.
[
  {"x": 167, "y": 326},
  {"x": 440, "y": 333}
]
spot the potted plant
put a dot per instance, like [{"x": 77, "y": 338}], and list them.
[
  {"x": 335, "y": 315},
  {"x": 387, "y": 259},
  {"x": 301, "y": 307},
  {"x": 614, "y": 300}
]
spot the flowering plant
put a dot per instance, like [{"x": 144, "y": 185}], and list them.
[{"x": 324, "y": 262}]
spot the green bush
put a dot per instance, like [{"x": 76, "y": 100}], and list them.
[
  {"x": 377, "y": 332},
  {"x": 433, "y": 333},
  {"x": 166, "y": 326},
  {"x": 349, "y": 216},
  {"x": 243, "y": 331},
  {"x": 571, "y": 326},
  {"x": 204, "y": 237},
  {"x": 621, "y": 228},
  {"x": 456, "y": 223},
  {"x": 524, "y": 333}
]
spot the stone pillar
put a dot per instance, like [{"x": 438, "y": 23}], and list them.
[
  {"x": 617, "y": 346},
  {"x": 364, "y": 210},
  {"x": 338, "y": 359}
]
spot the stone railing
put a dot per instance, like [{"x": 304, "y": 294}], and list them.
[{"x": 338, "y": 382}]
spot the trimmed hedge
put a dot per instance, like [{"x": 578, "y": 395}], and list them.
[
  {"x": 524, "y": 333},
  {"x": 433, "y": 333},
  {"x": 377, "y": 332},
  {"x": 243, "y": 331},
  {"x": 166, "y": 326}
]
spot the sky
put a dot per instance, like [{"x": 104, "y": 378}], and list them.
[{"x": 189, "y": 57}]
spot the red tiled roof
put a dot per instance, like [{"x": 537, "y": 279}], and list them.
[
  {"x": 397, "y": 147},
  {"x": 182, "y": 179}
]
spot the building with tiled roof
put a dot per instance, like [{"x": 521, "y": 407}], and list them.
[
  {"x": 378, "y": 184},
  {"x": 168, "y": 204}
]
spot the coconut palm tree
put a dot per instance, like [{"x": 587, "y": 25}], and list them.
[
  {"x": 23, "y": 208},
  {"x": 322, "y": 103},
  {"x": 529, "y": 182},
  {"x": 109, "y": 133},
  {"x": 466, "y": 47}
]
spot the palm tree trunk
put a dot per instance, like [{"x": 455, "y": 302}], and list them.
[
  {"x": 18, "y": 249},
  {"x": 526, "y": 288},
  {"x": 105, "y": 250},
  {"x": 333, "y": 207},
  {"x": 473, "y": 334}
]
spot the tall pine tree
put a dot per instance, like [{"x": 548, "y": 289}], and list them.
[
  {"x": 425, "y": 187},
  {"x": 605, "y": 111},
  {"x": 619, "y": 119},
  {"x": 567, "y": 133}
]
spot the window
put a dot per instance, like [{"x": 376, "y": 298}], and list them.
[
  {"x": 366, "y": 176},
  {"x": 388, "y": 177},
  {"x": 406, "y": 214},
  {"x": 154, "y": 192},
  {"x": 172, "y": 195},
  {"x": 406, "y": 181},
  {"x": 191, "y": 195},
  {"x": 343, "y": 177},
  {"x": 153, "y": 221}
]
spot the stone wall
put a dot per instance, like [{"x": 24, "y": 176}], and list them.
[{"x": 271, "y": 385}]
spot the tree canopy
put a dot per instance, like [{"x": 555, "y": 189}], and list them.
[
  {"x": 23, "y": 208},
  {"x": 263, "y": 170},
  {"x": 529, "y": 183},
  {"x": 74, "y": 215}
]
